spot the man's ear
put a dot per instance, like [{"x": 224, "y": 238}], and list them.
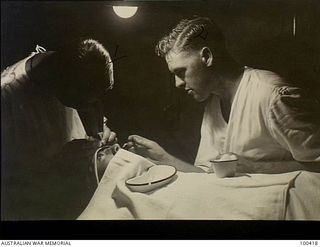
[{"x": 206, "y": 56}]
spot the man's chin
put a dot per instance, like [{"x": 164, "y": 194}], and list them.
[{"x": 198, "y": 98}]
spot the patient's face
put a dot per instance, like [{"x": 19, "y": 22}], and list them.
[{"x": 104, "y": 156}]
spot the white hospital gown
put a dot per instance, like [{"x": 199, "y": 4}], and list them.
[
  {"x": 34, "y": 124},
  {"x": 269, "y": 121},
  {"x": 34, "y": 127}
]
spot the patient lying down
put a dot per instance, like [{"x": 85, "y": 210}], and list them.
[
  {"x": 64, "y": 190},
  {"x": 73, "y": 192},
  {"x": 201, "y": 195}
]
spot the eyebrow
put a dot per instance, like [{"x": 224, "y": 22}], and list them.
[
  {"x": 179, "y": 69},
  {"x": 102, "y": 148}
]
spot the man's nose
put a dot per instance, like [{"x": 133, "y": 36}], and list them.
[
  {"x": 115, "y": 148},
  {"x": 179, "y": 83}
]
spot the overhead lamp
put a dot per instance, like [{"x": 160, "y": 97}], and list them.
[{"x": 125, "y": 11}]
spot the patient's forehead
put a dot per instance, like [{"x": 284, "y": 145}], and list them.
[{"x": 105, "y": 149}]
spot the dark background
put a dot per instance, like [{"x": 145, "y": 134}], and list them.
[{"x": 144, "y": 101}]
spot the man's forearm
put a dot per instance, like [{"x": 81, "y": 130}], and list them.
[
  {"x": 311, "y": 166},
  {"x": 277, "y": 167},
  {"x": 184, "y": 166}
]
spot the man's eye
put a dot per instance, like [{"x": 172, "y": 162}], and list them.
[{"x": 180, "y": 73}]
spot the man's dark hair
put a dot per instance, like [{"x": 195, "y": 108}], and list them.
[
  {"x": 192, "y": 34},
  {"x": 95, "y": 59},
  {"x": 86, "y": 68}
]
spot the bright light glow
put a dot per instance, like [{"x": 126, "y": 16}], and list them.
[{"x": 125, "y": 11}]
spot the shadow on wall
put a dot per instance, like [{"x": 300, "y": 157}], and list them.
[{"x": 297, "y": 62}]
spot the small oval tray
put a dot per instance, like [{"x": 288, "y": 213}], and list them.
[{"x": 157, "y": 176}]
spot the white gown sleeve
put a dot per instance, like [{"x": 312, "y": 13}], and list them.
[{"x": 294, "y": 122}]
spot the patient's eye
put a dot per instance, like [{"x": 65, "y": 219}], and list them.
[{"x": 100, "y": 155}]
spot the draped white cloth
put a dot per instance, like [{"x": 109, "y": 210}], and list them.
[{"x": 202, "y": 196}]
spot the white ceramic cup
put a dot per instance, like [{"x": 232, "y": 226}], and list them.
[{"x": 225, "y": 165}]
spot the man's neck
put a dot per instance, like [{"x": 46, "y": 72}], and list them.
[
  {"x": 230, "y": 77},
  {"x": 230, "y": 81}
]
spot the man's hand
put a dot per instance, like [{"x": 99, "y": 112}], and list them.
[
  {"x": 107, "y": 137},
  {"x": 148, "y": 149},
  {"x": 156, "y": 154}
]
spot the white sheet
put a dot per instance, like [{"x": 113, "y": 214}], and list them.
[{"x": 189, "y": 195}]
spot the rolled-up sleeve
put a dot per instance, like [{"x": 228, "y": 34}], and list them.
[{"x": 294, "y": 122}]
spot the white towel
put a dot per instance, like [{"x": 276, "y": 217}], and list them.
[{"x": 188, "y": 196}]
